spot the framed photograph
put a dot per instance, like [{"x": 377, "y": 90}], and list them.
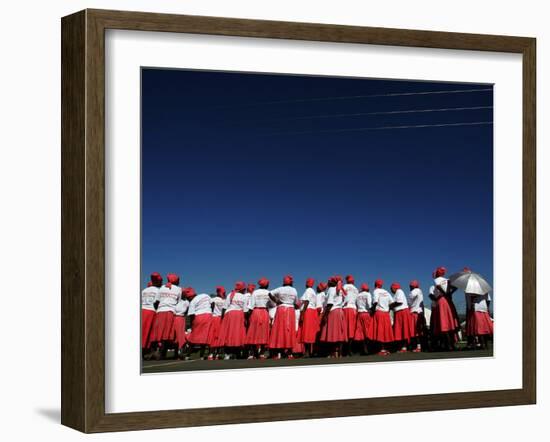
[{"x": 266, "y": 221}]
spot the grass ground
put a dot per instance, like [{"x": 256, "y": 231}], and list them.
[{"x": 173, "y": 365}]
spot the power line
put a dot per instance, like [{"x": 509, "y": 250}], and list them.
[
  {"x": 358, "y": 114},
  {"x": 362, "y": 129}
]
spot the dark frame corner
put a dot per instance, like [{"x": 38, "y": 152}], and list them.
[{"x": 83, "y": 216}]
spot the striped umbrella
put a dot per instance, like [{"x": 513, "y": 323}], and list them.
[{"x": 470, "y": 282}]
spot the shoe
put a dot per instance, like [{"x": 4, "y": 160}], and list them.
[
  {"x": 417, "y": 350},
  {"x": 227, "y": 357},
  {"x": 383, "y": 353},
  {"x": 262, "y": 357},
  {"x": 403, "y": 350},
  {"x": 290, "y": 357},
  {"x": 210, "y": 357},
  {"x": 250, "y": 357}
]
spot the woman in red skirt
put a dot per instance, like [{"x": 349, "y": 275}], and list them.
[
  {"x": 380, "y": 330},
  {"x": 233, "y": 333},
  {"x": 333, "y": 323},
  {"x": 283, "y": 332},
  {"x": 350, "y": 310},
  {"x": 309, "y": 318},
  {"x": 200, "y": 313},
  {"x": 257, "y": 335},
  {"x": 364, "y": 305},
  {"x": 179, "y": 326},
  {"x": 218, "y": 307},
  {"x": 479, "y": 324},
  {"x": 446, "y": 322},
  {"x": 149, "y": 303},
  {"x": 418, "y": 320},
  {"x": 162, "y": 333},
  {"x": 402, "y": 325}
]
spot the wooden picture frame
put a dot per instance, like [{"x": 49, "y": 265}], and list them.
[{"x": 83, "y": 220}]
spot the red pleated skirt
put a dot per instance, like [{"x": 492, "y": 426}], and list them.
[
  {"x": 446, "y": 319},
  {"x": 380, "y": 329},
  {"x": 334, "y": 329},
  {"x": 479, "y": 324},
  {"x": 402, "y": 325},
  {"x": 179, "y": 331},
  {"x": 350, "y": 315},
  {"x": 310, "y": 326},
  {"x": 200, "y": 329},
  {"x": 418, "y": 324},
  {"x": 163, "y": 327},
  {"x": 283, "y": 332},
  {"x": 258, "y": 328},
  {"x": 147, "y": 319},
  {"x": 362, "y": 329},
  {"x": 214, "y": 332},
  {"x": 233, "y": 333}
]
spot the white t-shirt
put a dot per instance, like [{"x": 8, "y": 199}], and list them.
[
  {"x": 432, "y": 292},
  {"x": 479, "y": 303},
  {"x": 200, "y": 305},
  {"x": 382, "y": 298},
  {"x": 321, "y": 300},
  {"x": 443, "y": 283},
  {"x": 149, "y": 296},
  {"x": 334, "y": 297},
  {"x": 287, "y": 295},
  {"x": 351, "y": 296},
  {"x": 181, "y": 307},
  {"x": 237, "y": 303},
  {"x": 259, "y": 299},
  {"x": 399, "y": 296},
  {"x": 416, "y": 300},
  {"x": 218, "y": 306},
  {"x": 364, "y": 302},
  {"x": 168, "y": 298},
  {"x": 248, "y": 298},
  {"x": 310, "y": 296}
]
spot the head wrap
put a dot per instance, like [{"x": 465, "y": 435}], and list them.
[
  {"x": 288, "y": 280},
  {"x": 339, "y": 278},
  {"x": 189, "y": 292},
  {"x": 220, "y": 291},
  {"x": 378, "y": 283},
  {"x": 263, "y": 283},
  {"x": 149, "y": 284},
  {"x": 414, "y": 284},
  {"x": 251, "y": 287},
  {"x": 310, "y": 282},
  {"x": 395, "y": 286},
  {"x": 440, "y": 271},
  {"x": 240, "y": 286},
  {"x": 173, "y": 279},
  {"x": 350, "y": 279},
  {"x": 322, "y": 286},
  {"x": 156, "y": 279},
  {"x": 364, "y": 287}
]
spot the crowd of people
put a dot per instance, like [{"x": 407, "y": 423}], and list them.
[{"x": 332, "y": 319}]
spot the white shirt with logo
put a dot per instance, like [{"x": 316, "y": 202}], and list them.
[
  {"x": 416, "y": 301},
  {"x": 218, "y": 306},
  {"x": 364, "y": 302},
  {"x": 200, "y": 305},
  {"x": 259, "y": 299},
  {"x": 399, "y": 296},
  {"x": 168, "y": 298},
  {"x": 287, "y": 295},
  {"x": 335, "y": 298},
  {"x": 351, "y": 296},
  {"x": 181, "y": 307},
  {"x": 382, "y": 298},
  {"x": 149, "y": 296},
  {"x": 311, "y": 297},
  {"x": 238, "y": 301}
]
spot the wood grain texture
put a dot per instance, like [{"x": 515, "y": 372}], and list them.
[{"x": 83, "y": 220}]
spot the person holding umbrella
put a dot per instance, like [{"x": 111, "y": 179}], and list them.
[{"x": 446, "y": 323}]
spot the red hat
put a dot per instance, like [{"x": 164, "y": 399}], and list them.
[
  {"x": 414, "y": 284},
  {"x": 350, "y": 279},
  {"x": 220, "y": 291},
  {"x": 173, "y": 278},
  {"x": 333, "y": 279},
  {"x": 467, "y": 269},
  {"x": 310, "y": 282},
  {"x": 378, "y": 283},
  {"x": 149, "y": 284},
  {"x": 322, "y": 286},
  {"x": 156, "y": 278},
  {"x": 395, "y": 285},
  {"x": 287, "y": 280},
  {"x": 189, "y": 292},
  {"x": 364, "y": 287},
  {"x": 251, "y": 287},
  {"x": 440, "y": 271},
  {"x": 240, "y": 285},
  {"x": 263, "y": 283},
  {"x": 339, "y": 278}
]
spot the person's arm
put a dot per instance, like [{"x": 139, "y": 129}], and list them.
[
  {"x": 373, "y": 308},
  {"x": 395, "y": 304},
  {"x": 326, "y": 311},
  {"x": 156, "y": 304}
]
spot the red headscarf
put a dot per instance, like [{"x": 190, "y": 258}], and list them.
[
  {"x": 251, "y": 287},
  {"x": 189, "y": 292},
  {"x": 322, "y": 286},
  {"x": 440, "y": 271},
  {"x": 149, "y": 284},
  {"x": 220, "y": 291},
  {"x": 339, "y": 278},
  {"x": 173, "y": 279},
  {"x": 310, "y": 282},
  {"x": 350, "y": 279},
  {"x": 288, "y": 280},
  {"x": 239, "y": 287},
  {"x": 394, "y": 286},
  {"x": 378, "y": 283},
  {"x": 364, "y": 287},
  {"x": 414, "y": 284},
  {"x": 333, "y": 280},
  {"x": 467, "y": 269},
  {"x": 263, "y": 283},
  {"x": 156, "y": 278}
]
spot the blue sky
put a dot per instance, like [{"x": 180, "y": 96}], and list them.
[{"x": 248, "y": 175}]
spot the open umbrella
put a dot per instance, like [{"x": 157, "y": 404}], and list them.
[{"x": 470, "y": 282}]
